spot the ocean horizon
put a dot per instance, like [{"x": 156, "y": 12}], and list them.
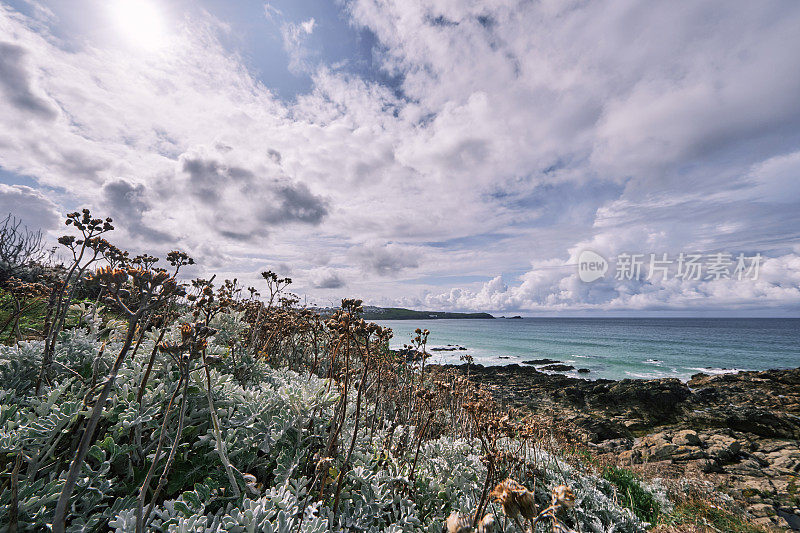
[{"x": 614, "y": 348}]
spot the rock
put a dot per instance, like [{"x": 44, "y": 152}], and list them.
[
  {"x": 686, "y": 437},
  {"x": 583, "y": 371},
  {"x": 558, "y": 368},
  {"x": 687, "y": 453},
  {"x": 630, "y": 457},
  {"x": 544, "y": 361},
  {"x": 764, "y": 522},
  {"x": 722, "y": 448},
  {"x": 761, "y": 509},
  {"x": 657, "y": 447}
]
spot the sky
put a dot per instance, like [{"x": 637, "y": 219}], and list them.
[{"x": 452, "y": 155}]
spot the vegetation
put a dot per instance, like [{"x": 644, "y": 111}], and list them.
[
  {"x": 694, "y": 510},
  {"x": 147, "y": 402},
  {"x": 633, "y": 495}
]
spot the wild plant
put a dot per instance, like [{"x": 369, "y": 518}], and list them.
[
  {"x": 244, "y": 414},
  {"x": 86, "y": 250},
  {"x": 24, "y": 295},
  {"x": 152, "y": 288}
]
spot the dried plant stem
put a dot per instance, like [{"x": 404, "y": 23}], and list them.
[
  {"x": 218, "y": 435},
  {"x": 59, "y": 518},
  {"x": 156, "y": 458},
  {"x": 13, "y": 506},
  {"x": 163, "y": 478},
  {"x": 346, "y": 464},
  {"x": 146, "y": 376}
]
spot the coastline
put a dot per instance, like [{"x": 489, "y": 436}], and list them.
[
  {"x": 739, "y": 431},
  {"x": 613, "y": 348}
]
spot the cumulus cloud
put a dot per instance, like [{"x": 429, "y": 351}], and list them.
[
  {"x": 29, "y": 205},
  {"x": 129, "y": 204},
  {"x": 513, "y": 135},
  {"x": 326, "y": 278},
  {"x": 388, "y": 259}
]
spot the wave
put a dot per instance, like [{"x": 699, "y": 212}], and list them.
[
  {"x": 717, "y": 371},
  {"x": 649, "y": 375},
  {"x": 653, "y": 361}
]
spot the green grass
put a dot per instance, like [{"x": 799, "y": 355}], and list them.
[
  {"x": 702, "y": 514},
  {"x": 632, "y": 495},
  {"x": 31, "y": 321}
]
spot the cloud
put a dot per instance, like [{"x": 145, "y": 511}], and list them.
[
  {"x": 17, "y": 85},
  {"x": 29, "y": 205},
  {"x": 387, "y": 260},
  {"x": 271, "y": 11},
  {"x": 294, "y": 37},
  {"x": 295, "y": 203},
  {"x": 509, "y": 136},
  {"x": 129, "y": 204},
  {"x": 265, "y": 197},
  {"x": 776, "y": 179},
  {"x": 308, "y": 26},
  {"x": 208, "y": 177},
  {"x": 326, "y": 278}
]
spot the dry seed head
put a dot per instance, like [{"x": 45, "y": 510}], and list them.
[
  {"x": 515, "y": 499},
  {"x": 458, "y": 523},
  {"x": 563, "y": 496},
  {"x": 487, "y": 524}
]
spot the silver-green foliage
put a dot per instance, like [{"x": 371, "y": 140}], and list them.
[{"x": 273, "y": 427}]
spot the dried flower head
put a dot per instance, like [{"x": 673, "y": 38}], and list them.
[
  {"x": 458, "y": 523},
  {"x": 487, "y": 524},
  {"x": 563, "y": 496},
  {"x": 515, "y": 499}
]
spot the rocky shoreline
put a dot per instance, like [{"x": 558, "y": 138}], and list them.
[{"x": 739, "y": 431}]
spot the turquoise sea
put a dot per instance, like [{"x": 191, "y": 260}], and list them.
[{"x": 617, "y": 348}]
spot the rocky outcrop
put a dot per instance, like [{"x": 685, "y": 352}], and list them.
[{"x": 741, "y": 431}]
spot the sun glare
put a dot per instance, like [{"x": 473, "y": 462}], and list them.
[{"x": 140, "y": 23}]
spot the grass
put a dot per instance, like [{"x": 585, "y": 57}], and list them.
[
  {"x": 632, "y": 495},
  {"x": 31, "y": 321},
  {"x": 705, "y": 516}
]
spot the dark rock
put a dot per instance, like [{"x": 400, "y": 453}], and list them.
[
  {"x": 558, "y": 367},
  {"x": 544, "y": 361},
  {"x": 583, "y": 371},
  {"x": 741, "y": 429}
]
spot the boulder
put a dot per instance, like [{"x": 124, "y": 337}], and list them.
[
  {"x": 558, "y": 368},
  {"x": 761, "y": 509},
  {"x": 686, "y": 437}
]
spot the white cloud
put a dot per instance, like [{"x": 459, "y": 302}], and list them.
[
  {"x": 28, "y": 205},
  {"x": 519, "y": 133},
  {"x": 308, "y": 26}
]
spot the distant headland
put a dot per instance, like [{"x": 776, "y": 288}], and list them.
[{"x": 399, "y": 313}]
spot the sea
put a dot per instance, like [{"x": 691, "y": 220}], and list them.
[{"x": 614, "y": 348}]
